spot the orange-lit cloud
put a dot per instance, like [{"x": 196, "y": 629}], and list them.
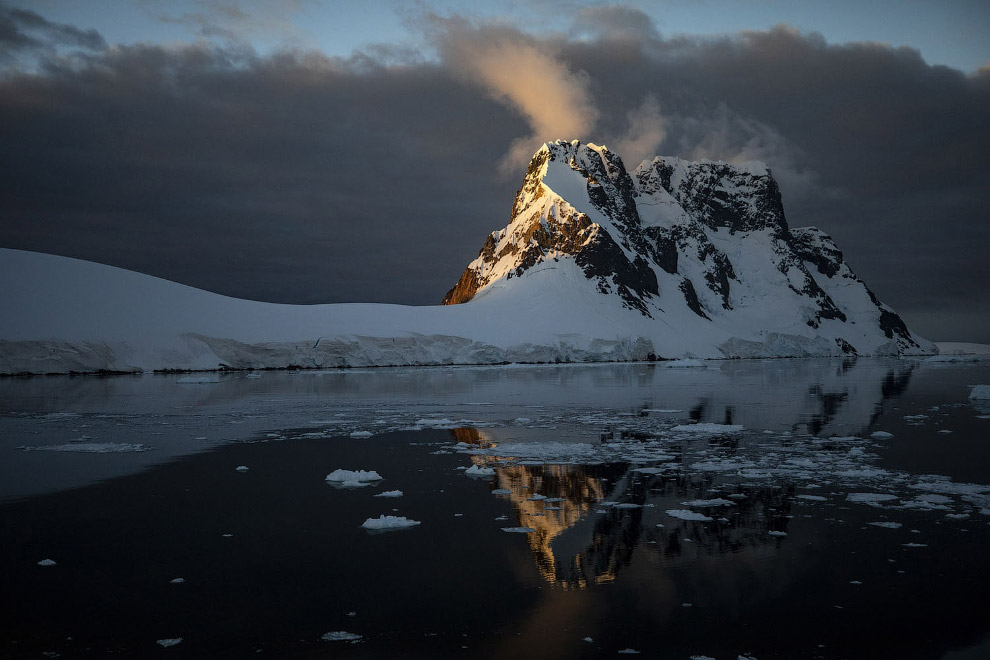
[{"x": 525, "y": 75}]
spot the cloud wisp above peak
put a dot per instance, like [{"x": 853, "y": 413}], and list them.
[{"x": 524, "y": 74}]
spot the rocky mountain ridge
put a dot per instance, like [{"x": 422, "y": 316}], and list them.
[{"x": 673, "y": 236}]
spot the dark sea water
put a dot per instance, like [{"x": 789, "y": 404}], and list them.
[{"x": 130, "y": 483}]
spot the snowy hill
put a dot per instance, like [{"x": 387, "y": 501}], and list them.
[{"x": 676, "y": 260}]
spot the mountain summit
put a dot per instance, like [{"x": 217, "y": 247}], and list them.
[{"x": 701, "y": 248}]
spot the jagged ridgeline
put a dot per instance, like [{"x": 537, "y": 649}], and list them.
[{"x": 688, "y": 244}]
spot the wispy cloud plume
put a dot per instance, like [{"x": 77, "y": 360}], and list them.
[
  {"x": 647, "y": 131},
  {"x": 522, "y": 73}
]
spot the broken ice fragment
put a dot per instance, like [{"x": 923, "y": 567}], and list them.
[
  {"x": 340, "y": 636},
  {"x": 887, "y": 524},
  {"x": 687, "y": 514},
  {"x": 476, "y": 471},
  {"x": 353, "y": 477},
  {"x": 388, "y": 523}
]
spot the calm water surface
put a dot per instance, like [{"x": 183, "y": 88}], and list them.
[{"x": 130, "y": 483}]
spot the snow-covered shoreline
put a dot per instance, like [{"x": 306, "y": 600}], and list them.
[{"x": 63, "y": 315}]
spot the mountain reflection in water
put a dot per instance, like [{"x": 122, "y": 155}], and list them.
[{"x": 589, "y": 519}]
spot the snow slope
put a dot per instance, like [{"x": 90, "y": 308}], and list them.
[{"x": 64, "y": 315}]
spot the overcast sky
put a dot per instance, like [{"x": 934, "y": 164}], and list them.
[{"x": 301, "y": 151}]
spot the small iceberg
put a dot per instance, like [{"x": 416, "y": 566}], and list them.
[
  {"x": 980, "y": 392},
  {"x": 341, "y": 636},
  {"x": 718, "y": 501},
  {"x": 708, "y": 428},
  {"x": 518, "y": 530},
  {"x": 686, "y": 514},
  {"x": 46, "y": 562},
  {"x": 171, "y": 641},
  {"x": 389, "y": 493},
  {"x": 353, "y": 478},
  {"x": 475, "y": 471},
  {"x": 870, "y": 498},
  {"x": 388, "y": 523}
]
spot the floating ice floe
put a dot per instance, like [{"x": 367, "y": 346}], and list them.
[
  {"x": 477, "y": 471},
  {"x": 341, "y": 636},
  {"x": 361, "y": 434},
  {"x": 501, "y": 491},
  {"x": 718, "y": 501},
  {"x": 171, "y": 641},
  {"x": 943, "y": 485},
  {"x": 46, "y": 562},
  {"x": 774, "y": 532},
  {"x": 887, "y": 524},
  {"x": 177, "y": 581},
  {"x": 713, "y": 429},
  {"x": 871, "y": 498},
  {"x": 518, "y": 530},
  {"x": 628, "y": 652},
  {"x": 242, "y": 468},
  {"x": 980, "y": 392},
  {"x": 91, "y": 448},
  {"x": 389, "y": 493},
  {"x": 687, "y": 514},
  {"x": 811, "y": 498},
  {"x": 386, "y": 523},
  {"x": 881, "y": 435},
  {"x": 353, "y": 478}
]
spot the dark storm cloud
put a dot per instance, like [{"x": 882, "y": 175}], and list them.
[
  {"x": 24, "y": 32},
  {"x": 298, "y": 177}
]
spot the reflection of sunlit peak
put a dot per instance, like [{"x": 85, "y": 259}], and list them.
[
  {"x": 474, "y": 437},
  {"x": 549, "y": 499}
]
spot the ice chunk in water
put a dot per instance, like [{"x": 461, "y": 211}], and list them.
[
  {"x": 686, "y": 514},
  {"x": 340, "y": 636},
  {"x": 384, "y": 523},
  {"x": 345, "y": 476}
]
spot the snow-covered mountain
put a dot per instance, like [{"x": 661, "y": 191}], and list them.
[
  {"x": 700, "y": 247},
  {"x": 674, "y": 260}
]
